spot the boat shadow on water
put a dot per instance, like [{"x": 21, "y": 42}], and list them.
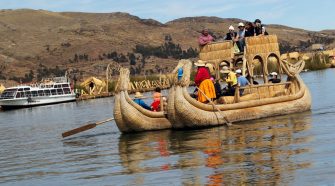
[{"x": 262, "y": 152}]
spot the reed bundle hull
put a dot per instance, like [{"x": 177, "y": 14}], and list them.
[
  {"x": 131, "y": 117},
  {"x": 189, "y": 113}
]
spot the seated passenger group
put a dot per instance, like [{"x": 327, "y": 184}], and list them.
[
  {"x": 244, "y": 30},
  {"x": 209, "y": 89}
]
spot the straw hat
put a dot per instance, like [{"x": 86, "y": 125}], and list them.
[
  {"x": 138, "y": 95},
  {"x": 224, "y": 63},
  {"x": 231, "y": 27},
  {"x": 225, "y": 70},
  {"x": 240, "y": 24},
  {"x": 200, "y": 63},
  {"x": 210, "y": 67}
]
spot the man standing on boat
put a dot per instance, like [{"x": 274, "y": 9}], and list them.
[{"x": 205, "y": 38}]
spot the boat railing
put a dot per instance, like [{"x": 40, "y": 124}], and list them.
[{"x": 262, "y": 91}]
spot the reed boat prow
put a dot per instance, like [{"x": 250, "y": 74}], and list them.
[{"x": 131, "y": 117}]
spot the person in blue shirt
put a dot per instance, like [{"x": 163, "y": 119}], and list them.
[
  {"x": 180, "y": 73},
  {"x": 241, "y": 80},
  {"x": 140, "y": 102}
]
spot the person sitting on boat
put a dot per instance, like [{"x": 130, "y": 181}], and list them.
[
  {"x": 274, "y": 78},
  {"x": 140, "y": 102},
  {"x": 241, "y": 80},
  {"x": 231, "y": 80},
  {"x": 210, "y": 69},
  {"x": 259, "y": 28},
  {"x": 240, "y": 38},
  {"x": 155, "y": 106},
  {"x": 205, "y": 38},
  {"x": 249, "y": 29},
  {"x": 217, "y": 87},
  {"x": 202, "y": 80},
  {"x": 231, "y": 35}
]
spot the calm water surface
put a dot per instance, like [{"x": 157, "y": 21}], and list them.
[{"x": 297, "y": 149}]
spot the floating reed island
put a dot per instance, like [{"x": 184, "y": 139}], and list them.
[{"x": 258, "y": 101}]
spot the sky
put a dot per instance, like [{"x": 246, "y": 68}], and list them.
[{"x": 305, "y": 14}]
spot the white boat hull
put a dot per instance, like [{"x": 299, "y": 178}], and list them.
[{"x": 35, "y": 101}]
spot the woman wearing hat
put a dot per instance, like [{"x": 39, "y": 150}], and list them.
[
  {"x": 231, "y": 80},
  {"x": 231, "y": 34},
  {"x": 203, "y": 82},
  {"x": 139, "y": 101}
]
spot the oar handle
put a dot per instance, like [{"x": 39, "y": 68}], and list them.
[
  {"x": 101, "y": 122},
  {"x": 85, "y": 127}
]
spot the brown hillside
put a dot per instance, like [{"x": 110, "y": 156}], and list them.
[{"x": 31, "y": 39}]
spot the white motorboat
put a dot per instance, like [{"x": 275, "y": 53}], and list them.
[{"x": 50, "y": 91}]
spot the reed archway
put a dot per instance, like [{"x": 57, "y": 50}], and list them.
[
  {"x": 257, "y": 67},
  {"x": 273, "y": 65},
  {"x": 238, "y": 63}
]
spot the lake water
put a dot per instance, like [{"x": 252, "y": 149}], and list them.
[{"x": 297, "y": 149}]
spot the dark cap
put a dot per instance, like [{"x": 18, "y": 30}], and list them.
[{"x": 258, "y": 21}]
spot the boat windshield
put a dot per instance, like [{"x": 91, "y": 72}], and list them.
[{"x": 8, "y": 94}]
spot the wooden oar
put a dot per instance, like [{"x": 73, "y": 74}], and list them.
[
  {"x": 84, "y": 128},
  {"x": 216, "y": 107}
]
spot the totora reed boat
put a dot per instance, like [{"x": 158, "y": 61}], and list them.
[
  {"x": 258, "y": 101},
  {"x": 131, "y": 117}
]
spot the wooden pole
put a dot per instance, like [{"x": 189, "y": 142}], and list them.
[{"x": 210, "y": 101}]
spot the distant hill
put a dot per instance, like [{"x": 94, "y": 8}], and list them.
[{"x": 37, "y": 43}]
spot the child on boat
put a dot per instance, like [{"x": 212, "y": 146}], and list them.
[{"x": 155, "y": 106}]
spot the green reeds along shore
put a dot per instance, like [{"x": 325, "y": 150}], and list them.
[{"x": 317, "y": 62}]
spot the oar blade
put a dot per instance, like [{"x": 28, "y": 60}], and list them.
[{"x": 78, "y": 130}]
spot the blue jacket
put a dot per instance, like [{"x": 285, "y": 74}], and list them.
[
  {"x": 141, "y": 103},
  {"x": 180, "y": 73}
]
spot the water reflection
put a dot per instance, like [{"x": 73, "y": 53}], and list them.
[{"x": 256, "y": 152}]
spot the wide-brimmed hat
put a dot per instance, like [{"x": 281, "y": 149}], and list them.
[
  {"x": 210, "y": 67},
  {"x": 240, "y": 24},
  {"x": 238, "y": 71},
  {"x": 200, "y": 63},
  {"x": 225, "y": 70},
  {"x": 138, "y": 95},
  {"x": 224, "y": 63},
  {"x": 273, "y": 74}
]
